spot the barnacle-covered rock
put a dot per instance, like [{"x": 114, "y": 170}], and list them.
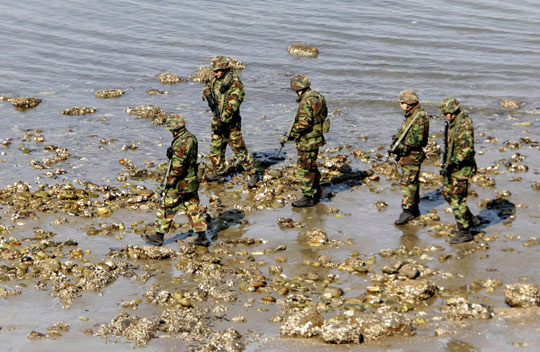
[
  {"x": 304, "y": 323},
  {"x": 303, "y": 50},
  {"x": 341, "y": 331},
  {"x": 78, "y": 111},
  {"x": 510, "y": 104},
  {"x": 134, "y": 328},
  {"x": 169, "y": 78},
  {"x": 228, "y": 340},
  {"x": 459, "y": 308},
  {"x": 25, "y": 103},
  {"x": 522, "y": 295},
  {"x": 109, "y": 93},
  {"x": 151, "y": 112}
]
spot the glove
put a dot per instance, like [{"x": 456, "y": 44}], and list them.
[
  {"x": 221, "y": 125},
  {"x": 449, "y": 168},
  {"x": 283, "y": 140},
  {"x": 170, "y": 153}
]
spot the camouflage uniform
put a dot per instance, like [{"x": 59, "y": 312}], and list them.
[
  {"x": 307, "y": 131},
  {"x": 182, "y": 184},
  {"x": 228, "y": 92},
  {"x": 460, "y": 166},
  {"x": 412, "y": 155}
]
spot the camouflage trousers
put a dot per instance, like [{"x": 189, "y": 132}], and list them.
[
  {"x": 410, "y": 186},
  {"x": 455, "y": 192},
  {"x": 307, "y": 171},
  {"x": 189, "y": 203},
  {"x": 218, "y": 145}
]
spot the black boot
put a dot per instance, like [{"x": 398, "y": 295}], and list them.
[
  {"x": 405, "y": 216},
  {"x": 305, "y": 201},
  {"x": 214, "y": 178},
  {"x": 153, "y": 238},
  {"x": 463, "y": 235},
  {"x": 320, "y": 193},
  {"x": 201, "y": 239},
  {"x": 253, "y": 179},
  {"x": 473, "y": 219}
]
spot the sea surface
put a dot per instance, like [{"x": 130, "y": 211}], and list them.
[{"x": 63, "y": 51}]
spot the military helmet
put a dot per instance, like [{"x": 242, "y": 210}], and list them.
[
  {"x": 299, "y": 82},
  {"x": 449, "y": 106},
  {"x": 175, "y": 121},
  {"x": 408, "y": 97},
  {"x": 219, "y": 63}
]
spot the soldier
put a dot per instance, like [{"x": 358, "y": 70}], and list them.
[
  {"x": 458, "y": 166},
  {"x": 408, "y": 146},
  {"x": 224, "y": 94},
  {"x": 181, "y": 184},
  {"x": 307, "y": 131}
]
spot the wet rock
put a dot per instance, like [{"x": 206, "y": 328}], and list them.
[
  {"x": 341, "y": 331},
  {"x": 303, "y": 50},
  {"x": 510, "y": 104},
  {"x": 151, "y": 112},
  {"x": 316, "y": 237},
  {"x": 332, "y": 292},
  {"x": 109, "y": 93},
  {"x": 483, "y": 181},
  {"x": 25, "y": 103},
  {"x": 288, "y": 223},
  {"x": 79, "y": 111},
  {"x": 536, "y": 186},
  {"x": 459, "y": 308},
  {"x": 155, "y": 92},
  {"x": 4, "y": 292},
  {"x": 417, "y": 290},
  {"x": 169, "y": 78},
  {"x": 305, "y": 323},
  {"x": 59, "y": 326},
  {"x": 375, "y": 327},
  {"x": 522, "y": 295},
  {"x": 229, "y": 340},
  {"x": 381, "y": 205},
  {"x": 184, "y": 321},
  {"x": 34, "y": 335},
  {"x": 138, "y": 330},
  {"x": 410, "y": 271},
  {"x": 144, "y": 253},
  {"x": 205, "y": 73}
]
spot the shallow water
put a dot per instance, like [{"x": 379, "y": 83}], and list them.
[{"x": 479, "y": 52}]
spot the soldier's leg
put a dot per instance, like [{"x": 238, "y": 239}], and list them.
[
  {"x": 195, "y": 212},
  {"x": 458, "y": 202},
  {"x": 218, "y": 144},
  {"x": 166, "y": 213},
  {"x": 409, "y": 186},
  {"x": 307, "y": 171},
  {"x": 238, "y": 146}
]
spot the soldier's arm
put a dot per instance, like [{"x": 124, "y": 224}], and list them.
[
  {"x": 304, "y": 120},
  {"x": 232, "y": 104},
  {"x": 206, "y": 91},
  {"x": 464, "y": 143},
  {"x": 179, "y": 163},
  {"x": 415, "y": 136}
]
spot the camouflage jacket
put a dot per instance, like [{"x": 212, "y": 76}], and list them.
[
  {"x": 308, "y": 122},
  {"x": 182, "y": 177},
  {"x": 460, "y": 142},
  {"x": 416, "y": 137},
  {"x": 229, "y": 101}
]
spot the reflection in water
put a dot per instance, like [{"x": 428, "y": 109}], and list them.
[{"x": 313, "y": 216}]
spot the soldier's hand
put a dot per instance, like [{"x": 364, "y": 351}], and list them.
[
  {"x": 283, "y": 140},
  {"x": 170, "y": 153},
  {"x": 221, "y": 125}
]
